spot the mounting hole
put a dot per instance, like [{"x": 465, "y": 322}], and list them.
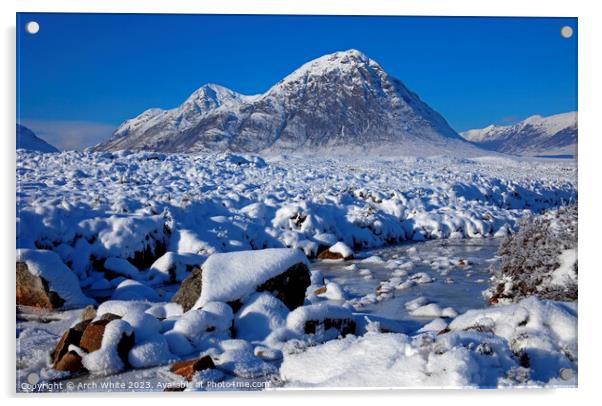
[
  {"x": 566, "y": 32},
  {"x": 32, "y": 27}
]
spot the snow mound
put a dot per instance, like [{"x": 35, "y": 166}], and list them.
[
  {"x": 261, "y": 314},
  {"x": 231, "y": 276}
]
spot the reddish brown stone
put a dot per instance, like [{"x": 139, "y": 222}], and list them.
[
  {"x": 333, "y": 255},
  {"x": 33, "y": 290},
  {"x": 71, "y": 336},
  {"x": 92, "y": 337},
  {"x": 320, "y": 291},
  {"x": 187, "y": 368},
  {"x": 71, "y": 362}
]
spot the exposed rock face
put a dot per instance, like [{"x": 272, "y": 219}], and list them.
[
  {"x": 70, "y": 337},
  {"x": 190, "y": 290},
  {"x": 336, "y": 102},
  {"x": 91, "y": 339},
  {"x": 187, "y": 368},
  {"x": 70, "y": 362},
  {"x": 343, "y": 326},
  {"x": 33, "y": 290},
  {"x": 289, "y": 286}
]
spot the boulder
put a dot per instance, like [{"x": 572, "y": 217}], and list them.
[
  {"x": 87, "y": 335},
  {"x": 44, "y": 281},
  {"x": 33, "y": 290},
  {"x": 289, "y": 286},
  {"x": 91, "y": 339},
  {"x": 338, "y": 251},
  {"x": 230, "y": 277},
  {"x": 187, "y": 369}
]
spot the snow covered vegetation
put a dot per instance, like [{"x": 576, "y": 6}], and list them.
[
  {"x": 198, "y": 270},
  {"x": 540, "y": 259}
]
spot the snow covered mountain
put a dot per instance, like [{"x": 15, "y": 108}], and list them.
[
  {"x": 26, "y": 139},
  {"x": 339, "y": 102},
  {"x": 536, "y": 135}
]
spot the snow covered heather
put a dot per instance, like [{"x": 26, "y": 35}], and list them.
[
  {"x": 540, "y": 259},
  {"x": 100, "y": 205},
  {"x": 129, "y": 223},
  {"x": 483, "y": 349}
]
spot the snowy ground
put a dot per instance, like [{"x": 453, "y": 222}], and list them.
[{"x": 106, "y": 208}]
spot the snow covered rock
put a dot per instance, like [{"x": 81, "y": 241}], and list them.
[
  {"x": 70, "y": 337},
  {"x": 129, "y": 289},
  {"x": 228, "y": 277},
  {"x": 43, "y": 280},
  {"x": 338, "y": 251},
  {"x": 543, "y": 334},
  {"x": 95, "y": 346},
  {"x": 112, "y": 355},
  {"x": 323, "y": 321},
  {"x": 261, "y": 314}
]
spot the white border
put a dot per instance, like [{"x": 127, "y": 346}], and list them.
[{"x": 590, "y": 70}]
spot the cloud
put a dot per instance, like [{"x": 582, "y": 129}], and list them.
[{"x": 65, "y": 134}]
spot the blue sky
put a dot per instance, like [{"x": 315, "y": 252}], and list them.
[{"x": 83, "y": 74}]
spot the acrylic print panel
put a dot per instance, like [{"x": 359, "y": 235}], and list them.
[{"x": 229, "y": 202}]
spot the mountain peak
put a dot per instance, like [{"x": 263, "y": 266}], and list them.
[{"x": 339, "y": 101}]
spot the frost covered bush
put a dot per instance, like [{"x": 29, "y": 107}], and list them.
[{"x": 540, "y": 259}]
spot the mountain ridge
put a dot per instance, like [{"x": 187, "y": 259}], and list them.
[
  {"x": 27, "y": 139},
  {"x": 535, "y": 135}
]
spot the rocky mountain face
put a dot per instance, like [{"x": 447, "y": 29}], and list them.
[
  {"x": 26, "y": 139},
  {"x": 338, "y": 102},
  {"x": 553, "y": 135}
]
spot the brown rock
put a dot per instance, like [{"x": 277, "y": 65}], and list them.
[
  {"x": 190, "y": 290},
  {"x": 71, "y": 362},
  {"x": 33, "y": 290},
  {"x": 71, "y": 336},
  {"x": 92, "y": 337},
  {"x": 88, "y": 313},
  {"x": 320, "y": 290},
  {"x": 109, "y": 316},
  {"x": 333, "y": 255},
  {"x": 188, "y": 368}
]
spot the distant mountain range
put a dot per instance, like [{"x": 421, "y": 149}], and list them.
[
  {"x": 535, "y": 136},
  {"x": 26, "y": 139},
  {"x": 340, "y": 102}
]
